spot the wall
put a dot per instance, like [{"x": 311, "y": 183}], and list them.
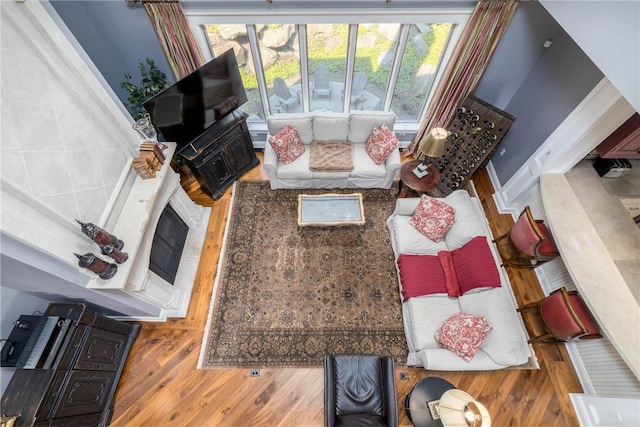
[
  {"x": 520, "y": 67},
  {"x": 116, "y": 35},
  {"x": 51, "y": 148},
  {"x": 517, "y": 53},
  {"x": 556, "y": 83},
  {"x": 64, "y": 147},
  {"x": 609, "y": 33}
]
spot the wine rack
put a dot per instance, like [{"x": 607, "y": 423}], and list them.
[{"x": 474, "y": 134}]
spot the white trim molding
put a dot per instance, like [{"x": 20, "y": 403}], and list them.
[{"x": 595, "y": 118}]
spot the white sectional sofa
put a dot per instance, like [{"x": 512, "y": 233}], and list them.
[
  {"x": 506, "y": 344},
  {"x": 325, "y": 126}
]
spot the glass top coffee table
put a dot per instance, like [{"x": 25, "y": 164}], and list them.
[{"x": 330, "y": 210}]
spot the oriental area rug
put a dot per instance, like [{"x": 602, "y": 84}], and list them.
[{"x": 286, "y": 295}]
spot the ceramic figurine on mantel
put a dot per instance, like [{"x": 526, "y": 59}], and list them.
[
  {"x": 100, "y": 236},
  {"x": 113, "y": 253},
  {"x": 92, "y": 263}
]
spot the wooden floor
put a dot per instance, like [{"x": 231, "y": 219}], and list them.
[{"x": 162, "y": 387}]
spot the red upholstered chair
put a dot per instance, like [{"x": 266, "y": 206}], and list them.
[
  {"x": 564, "y": 317},
  {"x": 531, "y": 243}
]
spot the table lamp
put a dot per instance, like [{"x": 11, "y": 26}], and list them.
[
  {"x": 431, "y": 145},
  {"x": 459, "y": 409}
]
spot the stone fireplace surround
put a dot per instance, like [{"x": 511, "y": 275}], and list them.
[{"x": 133, "y": 217}]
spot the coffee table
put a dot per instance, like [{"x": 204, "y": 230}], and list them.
[{"x": 330, "y": 209}]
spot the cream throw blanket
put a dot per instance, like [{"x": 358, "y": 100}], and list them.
[{"x": 331, "y": 156}]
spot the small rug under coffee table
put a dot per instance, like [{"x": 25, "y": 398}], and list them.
[{"x": 286, "y": 295}]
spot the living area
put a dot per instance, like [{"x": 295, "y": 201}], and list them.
[{"x": 172, "y": 391}]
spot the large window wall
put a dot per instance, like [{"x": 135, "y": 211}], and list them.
[{"x": 386, "y": 62}]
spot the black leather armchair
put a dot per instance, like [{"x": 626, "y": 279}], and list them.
[{"x": 359, "y": 391}]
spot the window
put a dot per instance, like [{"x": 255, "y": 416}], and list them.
[{"x": 288, "y": 67}]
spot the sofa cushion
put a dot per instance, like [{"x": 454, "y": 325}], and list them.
[
  {"x": 298, "y": 170},
  {"x": 361, "y": 124},
  {"x": 330, "y": 126},
  {"x": 506, "y": 344},
  {"x": 463, "y": 334},
  {"x": 475, "y": 266},
  {"x": 406, "y": 240},
  {"x": 363, "y": 166},
  {"x": 302, "y": 122},
  {"x": 423, "y": 316},
  {"x": 287, "y": 145},
  {"x": 380, "y": 144},
  {"x": 420, "y": 275},
  {"x": 432, "y": 217},
  {"x": 469, "y": 222}
]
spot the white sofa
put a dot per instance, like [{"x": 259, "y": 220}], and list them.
[
  {"x": 506, "y": 344},
  {"x": 355, "y": 127}
]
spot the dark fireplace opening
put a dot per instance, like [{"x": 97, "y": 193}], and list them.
[{"x": 168, "y": 243}]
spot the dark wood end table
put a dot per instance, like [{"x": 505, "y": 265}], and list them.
[
  {"x": 416, "y": 404},
  {"x": 409, "y": 183}
]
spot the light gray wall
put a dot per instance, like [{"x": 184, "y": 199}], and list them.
[
  {"x": 517, "y": 53},
  {"x": 609, "y": 33},
  {"x": 559, "y": 78},
  {"x": 116, "y": 35}
]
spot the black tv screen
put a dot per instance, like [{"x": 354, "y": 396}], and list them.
[{"x": 183, "y": 111}]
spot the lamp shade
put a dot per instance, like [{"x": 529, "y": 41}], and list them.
[
  {"x": 432, "y": 143},
  {"x": 459, "y": 409}
]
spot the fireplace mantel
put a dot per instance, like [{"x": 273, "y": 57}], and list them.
[{"x": 134, "y": 220}]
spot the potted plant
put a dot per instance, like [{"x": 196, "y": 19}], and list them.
[{"x": 153, "y": 81}]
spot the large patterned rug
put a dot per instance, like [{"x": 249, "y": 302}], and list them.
[{"x": 285, "y": 295}]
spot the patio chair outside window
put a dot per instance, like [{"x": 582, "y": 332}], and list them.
[
  {"x": 285, "y": 96},
  {"x": 359, "y": 83},
  {"x": 321, "y": 81}
]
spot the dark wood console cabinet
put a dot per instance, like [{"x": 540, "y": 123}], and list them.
[
  {"x": 221, "y": 154},
  {"x": 79, "y": 388}
]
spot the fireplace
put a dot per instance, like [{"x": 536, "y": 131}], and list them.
[
  {"x": 168, "y": 243},
  {"x": 142, "y": 208}
]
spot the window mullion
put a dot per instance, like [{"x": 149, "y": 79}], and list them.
[
  {"x": 304, "y": 66},
  {"x": 397, "y": 63},
  {"x": 257, "y": 64},
  {"x": 351, "y": 61}
]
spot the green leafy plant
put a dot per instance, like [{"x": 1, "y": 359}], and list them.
[{"x": 153, "y": 81}]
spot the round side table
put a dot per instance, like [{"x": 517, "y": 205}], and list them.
[
  {"x": 417, "y": 401},
  {"x": 415, "y": 184}
]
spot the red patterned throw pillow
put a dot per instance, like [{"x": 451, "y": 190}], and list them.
[
  {"x": 463, "y": 334},
  {"x": 432, "y": 218},
  {"x": 475, "y": 266},
  {"x": 287, "y": 144},
  {"x": 380, "y": 144}
]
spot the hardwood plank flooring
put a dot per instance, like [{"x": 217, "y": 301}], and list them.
[{"x": 161, "y": 386}]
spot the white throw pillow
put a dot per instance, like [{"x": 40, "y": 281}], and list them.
[
  {"x": 361, "y": 124},
  {"x": 302, "y": 122},
  {"x": 330, "y": 126}
]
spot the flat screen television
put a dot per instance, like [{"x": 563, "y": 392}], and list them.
[{"x": 184, "y": 110}]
